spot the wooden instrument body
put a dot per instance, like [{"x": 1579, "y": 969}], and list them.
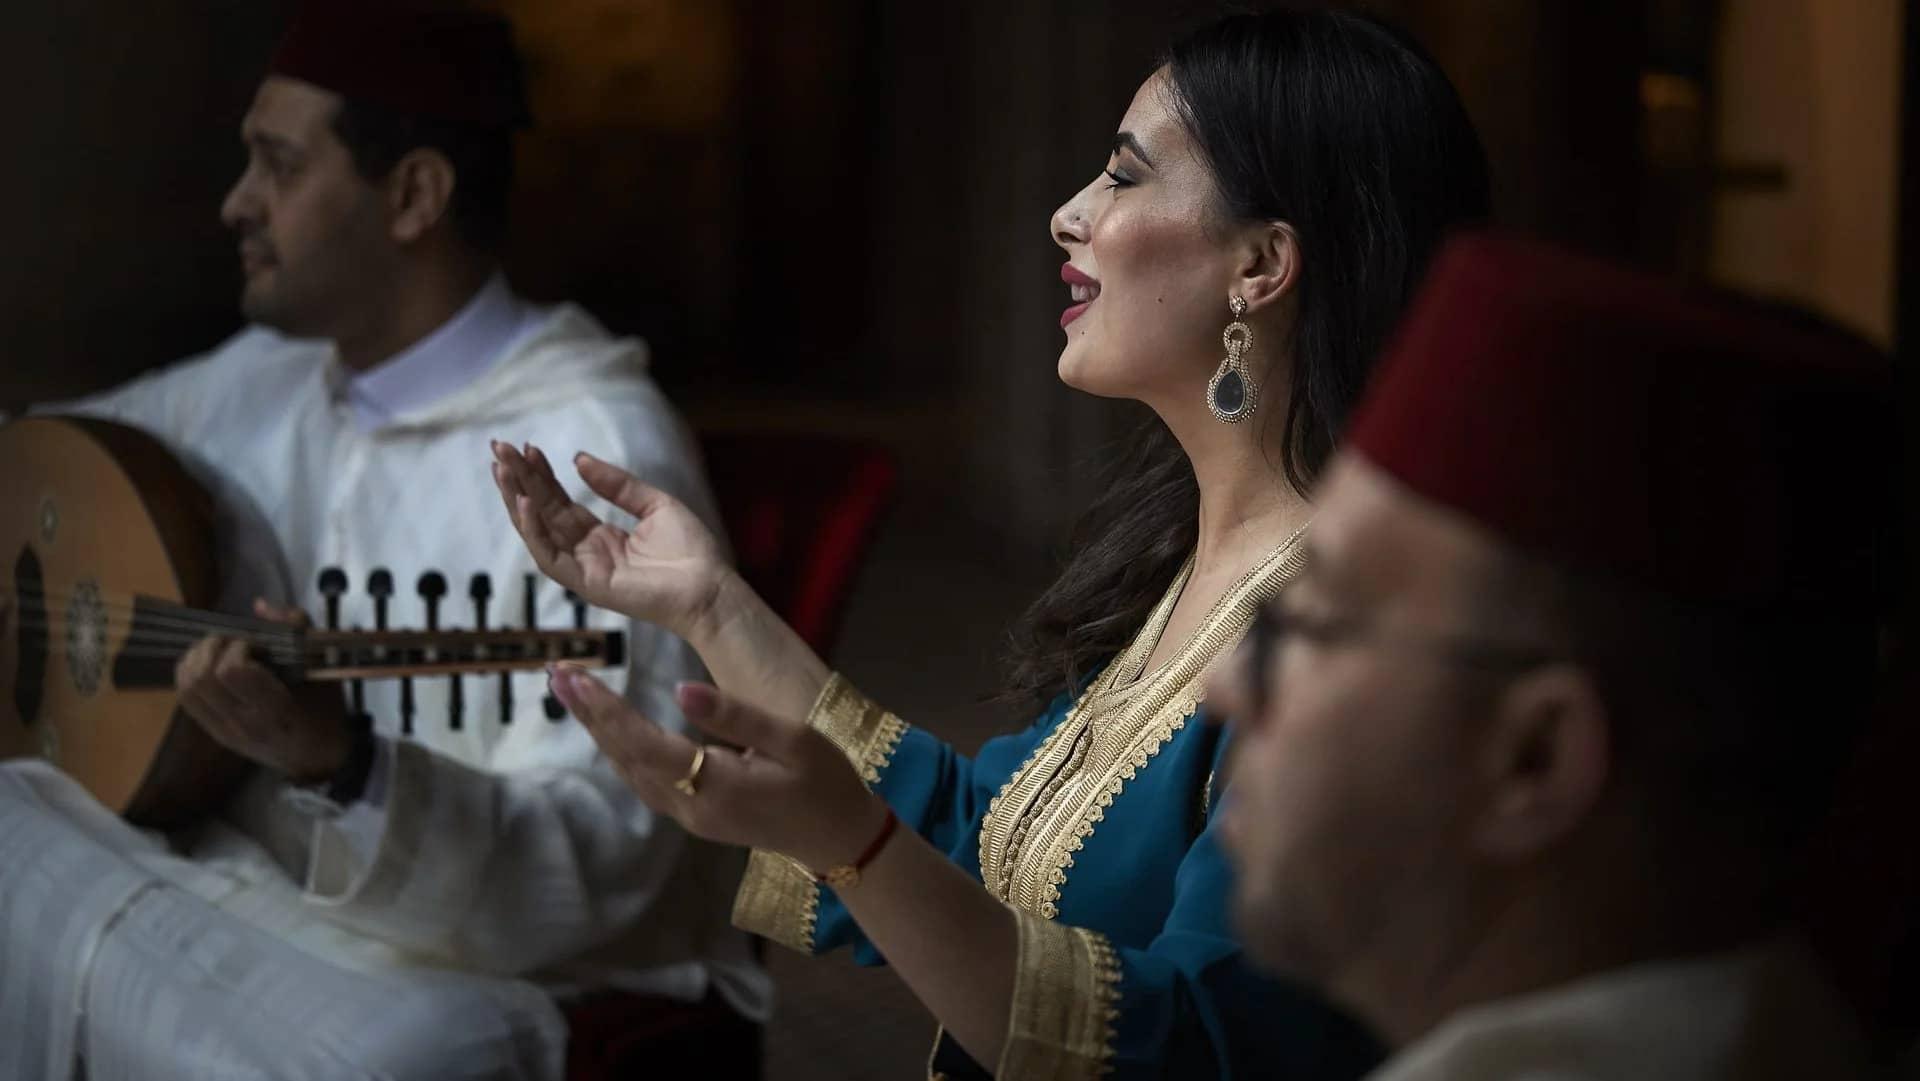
[{"x": 100, "y": 513}]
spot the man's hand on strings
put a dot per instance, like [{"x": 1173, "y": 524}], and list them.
[
  {"x": 667, "y": 570},
  {"x": 788, "y": 790},
  {"x": 301, "y": 733}
]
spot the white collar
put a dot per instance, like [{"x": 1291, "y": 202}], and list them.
[
  {"x": 1768, "y": 1002},
  {"x": 459, "y": 351}
]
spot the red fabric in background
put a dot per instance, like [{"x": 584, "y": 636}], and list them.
[{"x": 801, "y": 511}]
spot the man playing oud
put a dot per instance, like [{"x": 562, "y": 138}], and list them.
[{"x": 375, "y": 902}]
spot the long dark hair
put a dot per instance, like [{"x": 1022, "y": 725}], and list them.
[{"x": 1347, "y": 130}]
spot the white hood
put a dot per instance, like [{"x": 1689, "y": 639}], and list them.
[{"x": 567, "y": 357}]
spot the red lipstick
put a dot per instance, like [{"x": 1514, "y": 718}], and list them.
[{"x": 1085, "y": 291}]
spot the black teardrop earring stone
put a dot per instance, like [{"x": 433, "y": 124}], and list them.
[{"x": 1230, "y": 394}]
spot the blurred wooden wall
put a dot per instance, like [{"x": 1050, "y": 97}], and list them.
[
  {"x": 833, "y": 213},
  {"x": 123, "y": 129},
  {"x": 1807, "y": 126}
]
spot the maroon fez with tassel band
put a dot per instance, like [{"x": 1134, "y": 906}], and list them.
[
  {"x": 1712, "y": 449},
  {"x": 433, "y": 61}
]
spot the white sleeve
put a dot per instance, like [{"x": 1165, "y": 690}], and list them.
[
  {"x": 148, "y": 403},
  {"x": 165, "y": 402},
  {"x": 359, "y": 825}
]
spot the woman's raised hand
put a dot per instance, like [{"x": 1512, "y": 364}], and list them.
[
  {"x": 788, "y": 789},
  {"x": 667, "y": 570}
]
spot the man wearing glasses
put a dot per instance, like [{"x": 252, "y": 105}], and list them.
[{"x": 1527, "y": 755}]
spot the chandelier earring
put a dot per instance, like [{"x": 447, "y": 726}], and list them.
[{"x": 1232, "y": 394}]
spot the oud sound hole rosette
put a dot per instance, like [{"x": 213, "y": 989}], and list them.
[{"x": 86, "y": 637}]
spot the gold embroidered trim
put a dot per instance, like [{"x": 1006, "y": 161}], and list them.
[
  {"x": 1066, "y": 1003},
  {"x": 1041, "y": 818},
  {"x": 1062, "y": 859},
  {"x": 1002, "y": 838},
  {"x": 864, "y": 732},
  {"x": 778, "y": 899}
]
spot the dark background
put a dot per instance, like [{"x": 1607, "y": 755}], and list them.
[{"x": 832, "y": 215}]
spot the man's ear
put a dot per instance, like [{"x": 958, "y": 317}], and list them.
[
  {"x": 1544, "y": 761},
  {"x": 1269, "y": 269},
  {"x": 419, "y": 193}
]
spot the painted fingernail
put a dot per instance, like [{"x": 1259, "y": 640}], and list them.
[
  {"x": 697, "y": 699},
  {"x": 560, "y": 681}
]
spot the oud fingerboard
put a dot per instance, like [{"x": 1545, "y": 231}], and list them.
[{"x": 332, "y": 655}]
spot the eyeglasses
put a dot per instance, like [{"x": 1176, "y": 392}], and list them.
[{"x": 1274, "y": 625}]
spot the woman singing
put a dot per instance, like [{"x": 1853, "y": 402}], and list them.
[{"x": 1059, "y": 901}]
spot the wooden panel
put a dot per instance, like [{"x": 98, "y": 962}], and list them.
[{"x": 116, "y": 259}]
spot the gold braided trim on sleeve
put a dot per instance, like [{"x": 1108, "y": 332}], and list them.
[
  {"x": 864, "y": 732},
  {"x": 778, "y": 899},
  {"x": 1066, "y": 994}
]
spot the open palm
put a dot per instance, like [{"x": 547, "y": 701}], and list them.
[{"x": 665, "y": 570}]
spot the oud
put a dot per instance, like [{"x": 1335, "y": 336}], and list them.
[{"x": 107, "y": 547}]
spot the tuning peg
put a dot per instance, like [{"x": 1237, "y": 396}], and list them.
[
  {"x": 555, "y": 710},
  {"x": 480, "y": 591},
  {"x": 380, "y": 588},
  {"x": 456, "y": 702},
  {"x": 333, "y": 585},
  {"x": 431, "y": 587},
  {"x": 552, "y": 706},
  {"x": 406, "y": 706},
  {"x": 357, "y": 692}
]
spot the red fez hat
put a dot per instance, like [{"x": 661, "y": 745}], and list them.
[
  {"x": 1715, "y": 450},
  {"x": 426, "y": 60}
]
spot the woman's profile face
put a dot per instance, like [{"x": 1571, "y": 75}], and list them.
[{"x": 1148, "y": 280}]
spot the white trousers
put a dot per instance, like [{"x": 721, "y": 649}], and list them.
[{"x": 116, "y": 965}]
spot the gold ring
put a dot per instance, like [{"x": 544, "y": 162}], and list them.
[{"x": 690, "y": 784}]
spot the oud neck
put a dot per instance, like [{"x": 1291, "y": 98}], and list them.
[
  {"x": 334, "y": 655},
  {"x": 327, "y": 655}
]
